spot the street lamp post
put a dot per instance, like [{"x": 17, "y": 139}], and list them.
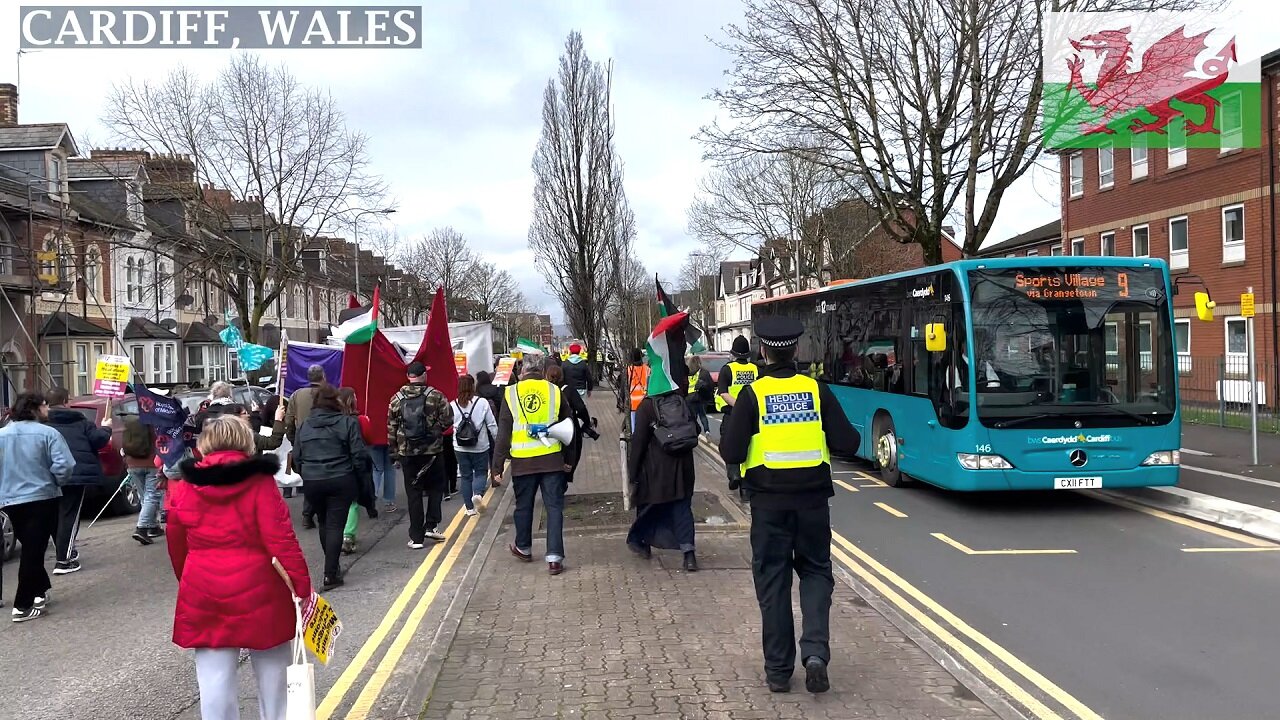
[{"x": 356, "y": 221}]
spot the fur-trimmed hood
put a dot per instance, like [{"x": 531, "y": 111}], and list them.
[{"x": 224, "y": 475}]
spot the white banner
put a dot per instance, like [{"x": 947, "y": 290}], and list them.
[{"x": 473, "y": 338}]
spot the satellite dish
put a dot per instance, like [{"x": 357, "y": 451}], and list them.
[
  {"x": 183, "y": 300},
  {"x": 169, "y": 324}
]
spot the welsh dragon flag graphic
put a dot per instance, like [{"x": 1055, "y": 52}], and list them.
[
  {"x": 1148, "y": 80},
  {"x": 665, "y": 348}
]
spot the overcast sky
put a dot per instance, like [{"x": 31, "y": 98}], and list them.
[{"x": 454, "y": 125}]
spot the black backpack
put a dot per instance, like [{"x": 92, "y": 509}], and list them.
[
  {"x": 467, "y": 435},
  {"x": 138, "y": 440},
  {"x": 675, "y": 429},
  {"x": 413, "y": 416}
]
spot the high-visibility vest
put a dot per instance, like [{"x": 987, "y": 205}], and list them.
[
  {"x": 693, "y": 383},
  {"x": 743, "y": 375},
  {"x": 790, "y": 434},
  {"x": 638, "y": 379},
  {"x": 532, "y": 402}
]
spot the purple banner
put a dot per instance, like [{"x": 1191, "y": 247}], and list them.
[{"x": 300, "y": 357}]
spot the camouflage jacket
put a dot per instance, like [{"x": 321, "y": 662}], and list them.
[{"x": 439, "y": 419}]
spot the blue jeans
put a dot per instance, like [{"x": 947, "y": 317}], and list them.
[
  {"x": 474, "y": 467},
  {"x": 552, "y": 485},
  {"x": 384, "y": 472},
  {"x": 144, "y": 482}
]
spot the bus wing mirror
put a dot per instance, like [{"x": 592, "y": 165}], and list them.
[
  {"x": 935, "y": 337},
  {"x": 1204, "y": 306}
]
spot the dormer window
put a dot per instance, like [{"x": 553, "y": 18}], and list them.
[
  {"x": 135, "y": 204},
  {"x": 56, "y": 174}
]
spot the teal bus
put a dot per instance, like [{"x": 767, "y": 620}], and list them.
[{"x": 1005, "y": 374}]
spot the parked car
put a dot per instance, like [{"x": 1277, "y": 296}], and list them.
[{"x": 114, "y": 470}]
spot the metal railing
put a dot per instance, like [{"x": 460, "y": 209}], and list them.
[{"x": 1215, "y": 391}]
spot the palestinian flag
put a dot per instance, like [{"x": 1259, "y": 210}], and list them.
[
  {"x": 667, "y": 308},
  {"x": 1148, "y": 80},
  {"x": 358, "y": 329},
  {"x": 666, "y": 348}
]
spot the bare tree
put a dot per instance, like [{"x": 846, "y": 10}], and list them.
[
  {"x": 444, "y": 258},
  {"x": 258, "y": 133},
  {"x": 582, "y": 225},
  {"x": 760, "y": 200},
  {"x": 697, "y": 280},
  {"x": 496, "y": 293},
  {"x": 935, "y": 105}
]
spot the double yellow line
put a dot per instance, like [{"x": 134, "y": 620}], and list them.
[
  {"x": 375, "y": 683},
  {"x": 976, "y": 649}
]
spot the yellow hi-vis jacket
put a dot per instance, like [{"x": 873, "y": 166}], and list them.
[
  {"x": 743, "y": 375},
  {"x": 790, "y": 433},
  {"x": 532, "y": 402}
]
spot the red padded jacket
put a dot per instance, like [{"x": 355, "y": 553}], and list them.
[{"x": 226, "y": 521}]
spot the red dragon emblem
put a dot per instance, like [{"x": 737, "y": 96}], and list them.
[
  {"x": 1169, "y": 72},
  {"x": 146, "y": 404}
]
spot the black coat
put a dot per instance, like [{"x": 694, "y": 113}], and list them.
[
  {"x": 330, "y": 451},
  {"x": 655, "y": 476},
  {"x": 578, "y": 376},
  {"x": 493, "y": 394},
  {"x": 85, "y": 440},
  {"x": 582, "y": 416}
]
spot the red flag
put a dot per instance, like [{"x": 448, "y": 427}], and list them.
[
  {"x": 377, "y": 373},
  {"x": 437, "y": 350},
  {"x": 352, "y": 302}
]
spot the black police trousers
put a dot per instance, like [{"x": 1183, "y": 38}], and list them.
[{"x": 783, "y": 541}]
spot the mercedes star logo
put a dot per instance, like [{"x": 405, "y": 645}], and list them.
[{"x": 1078, "y": 458}]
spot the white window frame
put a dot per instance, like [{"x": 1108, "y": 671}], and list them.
[
  {"x": 1103, "y": 242},
  {"x": 1056, "y": 250},
  {"x": 1180, "y": 259},
  {"x": 57, "y": 169},
  {"x": 1237, "y": 363},
  {"x": 1077, "y": 244},
  {"x": 1133, "y": 239},
  {"x": 1183, "y": 356},
  {"x": 1076, "y": 179},
  {"x": 1138, "y": 165},
  {"x": 1033, "y": 253},
  {"x": 1177, "y": 154},
  {"x": 1106, "y": 178},
  {"x": 93, "y": 272},
  {"x": 1232, "y": 139},
  {"x": 1233, "y": 250}
]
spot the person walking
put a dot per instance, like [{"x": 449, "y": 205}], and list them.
[
  {"x": 577, "y": 373},
  {"x": 782, "y": 429},
  {"x": 37, "y": 461},
  {"x": 738, "y": 373},
  {"x": 537, "y": 461},
  {"x": 474, "y": 430},
  {"x": 366, "y": 496},
  {"x": 637, "y": 382},
  {"x": 662, "y": 477},
  {"x": 85, "y": 440},
  {"x": 701, "y": 390},
  {"x": 581, "y": 417},
  {"x": 139, "y": 447},
  {"x": 417, "y": 420},
  {"x": 299, "y": 409},
  {"x": 490, "y": 392},
  {"x": 227, "y": 522},
  {"x": 333, "y": 461}
]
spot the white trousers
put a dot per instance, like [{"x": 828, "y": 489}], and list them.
[{"x": 220, "y": 689}]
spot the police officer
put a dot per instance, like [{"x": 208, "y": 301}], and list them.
[
  {"x": 783, "y": 428},
  {"x": 734, "y": 376}
]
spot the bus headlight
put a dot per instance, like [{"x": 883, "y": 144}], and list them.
[
  {"x": 973, "y": 461},
  {"x": 1164, "y": 457}
]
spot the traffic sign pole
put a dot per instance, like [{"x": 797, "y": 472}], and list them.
[{"x": 1247, "y": 310}]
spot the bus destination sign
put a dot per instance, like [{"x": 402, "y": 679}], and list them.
[{"x": 1069, "y": 285}]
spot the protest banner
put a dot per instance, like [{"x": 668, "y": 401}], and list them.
[{"x": 111, "y": 377}]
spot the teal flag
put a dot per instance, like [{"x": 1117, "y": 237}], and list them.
[{"x": 253, "y": 357}]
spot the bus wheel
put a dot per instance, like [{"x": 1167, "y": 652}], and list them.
[{"x": 887, "y": 455}]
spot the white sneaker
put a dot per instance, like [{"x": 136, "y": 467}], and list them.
[
  {"x": 41, "y": 602},
  {"x": 478, "y": 502},
  {"x": 472, "y": 513},
  {"x": 436, "y": 535},
  {"x": 415, "y": 545}
]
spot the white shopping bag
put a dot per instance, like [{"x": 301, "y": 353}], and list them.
[{"x": 300, "y": 676}]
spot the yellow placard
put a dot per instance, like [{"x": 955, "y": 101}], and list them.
[
  {"x": 1246, "y": 305},
  {"x": 460, "y": 363},
  {"x": 505, "y": 367},
  {"x": 320, "y": 629},
  {"x": 114, "y": 368}
]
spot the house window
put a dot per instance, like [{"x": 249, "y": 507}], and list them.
[
  {"x": 138, "y": 353},
  {"x": 1106, "y": 167},
  {"x": 1177, "y": 144},
  {"x": 82, "y": 368},
  {"x": 206, "y": 364},
  {"x": 162, "y": 279},
  {"x": 1233, "y": 234},
  {"x": 1056, "y": 250},
  {"x": 170, "y": 362},
  {"x": 1141, "y": 241},
  {"x": 92, "y": 272},
  {"x": 57, "y": 364},
  {"x": 1237, "y": 346},
  {"x": 1077, "y": 175},
  {"x": 1231, "y": 121},
  {"x": 55, "y": 174},
  {"x": 1108, "y": 244},
  {"x": 1077, "y": 246},
  {"x": 1182, "y": 344},
  {"x": 1138, "y": 158},
  {"x": 1179, "y": 250},
  {"x": 135, "y": 204},
  {"x": 1033, "y": 253},
  {"x": 130, "y": 281}
]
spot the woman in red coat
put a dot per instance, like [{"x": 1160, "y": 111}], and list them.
[{"x": 227, "y": 521}]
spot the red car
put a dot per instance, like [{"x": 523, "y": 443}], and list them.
[{"x": 113, "y": 468}]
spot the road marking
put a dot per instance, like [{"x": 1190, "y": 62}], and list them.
[
  {"x": 981, "y": 664},
  {"x": 352, "y": 672},
  {"x": 377, "y": 681},
  {"x": 1233, "y": 476},
  {"x": 891, "y": 511},
  {"x": 1202, "y": 453},
  {"x": 970, "y": 551},
  {"x": 844, "y": 485},
  {"x": 1071, "y": 703},
  {"x": 873, "y": 479},
  {"x": 1230, "y": 549},
  {"x": 1188, "y": 522}
]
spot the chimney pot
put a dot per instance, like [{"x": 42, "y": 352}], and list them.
[{"x": 8, "y": 104}]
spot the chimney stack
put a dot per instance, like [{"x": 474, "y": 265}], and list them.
[{"x": 8, "y": 104}]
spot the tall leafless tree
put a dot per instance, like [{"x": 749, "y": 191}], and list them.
[
  {"x": 582, "y": 225},
  {"x": 762, "y": 200},
  {"x": 257, "y": 132},
  {"x": 935, "y": 105},
  {"x": 444, "y": 258},
  {"x": 697, "y": 281},
  {"x": 496, "y": 293}
]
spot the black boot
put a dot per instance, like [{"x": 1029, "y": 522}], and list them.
[
  {"x": 690, "y": 562},
  {"x": 308, "y": 522}
]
